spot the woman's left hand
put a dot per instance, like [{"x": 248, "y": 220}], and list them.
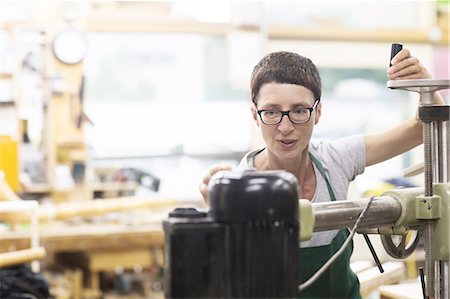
[{"x": 404, "y": 66}]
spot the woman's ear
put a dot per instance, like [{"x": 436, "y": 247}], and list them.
[
  {"x": 318, "y": 112},
  {"x": 254, "y": 113}
]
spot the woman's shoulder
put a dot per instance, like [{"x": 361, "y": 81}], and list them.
[
  {"x": 345, "y": 155},
  {"x": 338, "y": 146},
  {"x": 248, "y": 159}
]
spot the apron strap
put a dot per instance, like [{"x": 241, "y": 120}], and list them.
[
  {"x": 323, "y": 172},
  {"x": 339, "y": 278}
]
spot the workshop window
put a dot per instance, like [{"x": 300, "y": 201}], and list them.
[
  {"x": 159, "y": 93},
  {"x": 356, "y": 101}
]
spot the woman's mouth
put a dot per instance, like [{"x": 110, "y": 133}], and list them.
[{"x": 286, "y": 143}]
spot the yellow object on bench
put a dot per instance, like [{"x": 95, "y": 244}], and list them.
[{"x": 9, "y": 162}]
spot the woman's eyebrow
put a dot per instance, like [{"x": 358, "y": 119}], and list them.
[
  {"x": 297, "y": 105},
  {"x": 271, "y": 106}
]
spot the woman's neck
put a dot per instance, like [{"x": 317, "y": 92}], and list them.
[{"x": 301, "y": 167}]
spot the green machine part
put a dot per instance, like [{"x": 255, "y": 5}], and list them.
[
  {"x": 416, "y": 208},
  {"x": 442, "y": 228},
  {"x": 307, "y": 220}
]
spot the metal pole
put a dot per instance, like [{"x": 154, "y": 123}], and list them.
[
  {"x": 444, "y": 265},
  {"x": 445, "y": 279},
  {"x": 440, "y": 141},
  {"x": 440, "y": 171},
  {"x": 428, "y": 155},
  {"x": 446, "y": 135},
  {"x": 426, "y": 89},
  {"x": 384, "y": 211},
  {"x": 428, "y": 227}
]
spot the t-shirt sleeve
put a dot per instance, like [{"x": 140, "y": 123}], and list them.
[
  {"x": 348, "y": 155},
  {"x": 243, "y": 165}
]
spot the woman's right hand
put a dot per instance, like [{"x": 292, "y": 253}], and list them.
[{"x": 204, "y": 184}]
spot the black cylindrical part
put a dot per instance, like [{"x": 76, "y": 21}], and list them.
[
  {"x": 247, "y": 245},
  {"x": 193, "y": 255},
  {"x": 395, "y": 48}
]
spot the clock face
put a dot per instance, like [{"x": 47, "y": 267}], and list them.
[{"x": 69, "y": 46}]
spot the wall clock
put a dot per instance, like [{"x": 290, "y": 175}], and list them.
[{"x": 69, "y": 46}]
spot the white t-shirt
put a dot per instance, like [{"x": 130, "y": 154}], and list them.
[{"x": 342, "y": 159}]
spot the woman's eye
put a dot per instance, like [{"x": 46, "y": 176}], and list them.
[
  {"x": 270, "y": 113},
  {"x": 300, "y": 111}
]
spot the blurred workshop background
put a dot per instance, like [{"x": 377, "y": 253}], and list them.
[{"x": 112, "y": 111}]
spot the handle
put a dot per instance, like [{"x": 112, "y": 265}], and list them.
[
  {"x": 395, "y": 48},
  {"x": 374, "y": 254},
  {"x": 422, "y": 282}
]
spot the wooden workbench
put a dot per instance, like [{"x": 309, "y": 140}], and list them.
[
  {"x": 85, "y": 237},
  {"x": 95, "y": 248},
  {"x": 114, "y": 223}
]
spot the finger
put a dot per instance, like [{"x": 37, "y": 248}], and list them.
[
  {"x": 409, "y": 77},
  {"x": 216, "y": 168},
  {"x": 219, "y": 167},
  {"x": 203, "y": 187},
  {"x": 204, "y": 192},
  {"x": 403, "y": 64},
  {"x": 206, "y": 178},
  {"x": 403, "y": 54},
  {"x": 225, "y": 167},
  {"x": 213, "y": 170},
  {"x": 410, "y": 70}
]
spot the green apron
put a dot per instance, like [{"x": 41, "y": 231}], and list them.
[{"x": 338, "y": 281}]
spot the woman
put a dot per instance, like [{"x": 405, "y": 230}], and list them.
[{"x": 286, "y": 96}]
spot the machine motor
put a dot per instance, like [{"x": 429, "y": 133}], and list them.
[{"x": 245, "y": 246}]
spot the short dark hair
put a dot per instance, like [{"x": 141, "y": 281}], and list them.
[{"x": 286, "y": 67}]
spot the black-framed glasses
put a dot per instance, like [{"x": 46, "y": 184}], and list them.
[{"x": 298, "y": 115}]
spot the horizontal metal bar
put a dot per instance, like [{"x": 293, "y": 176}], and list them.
[{"x": 384, "y": 211}]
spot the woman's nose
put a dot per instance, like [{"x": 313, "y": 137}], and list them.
[{"x": 285, "y": 126}]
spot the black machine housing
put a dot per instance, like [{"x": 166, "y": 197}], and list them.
[{"x": 245, "y": 246}]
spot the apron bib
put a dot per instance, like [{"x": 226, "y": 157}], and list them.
[{"x": 338, "y": 281}]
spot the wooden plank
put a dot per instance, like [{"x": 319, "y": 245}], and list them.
[
  {"x": 110, "y": 260},
  {"x": 88, "y": 237},
  {"x": 371, "y": 279},
  {"x": 113, "y": 186},
  {"x": 349, "y": 34},
  {"x": 97, "y": 207},
  {"x": 136, "y": 24},
  {"x": 21, "y": 256},
  {"x": 401, "y": 291},
  {"x": 413, "y": 170}
]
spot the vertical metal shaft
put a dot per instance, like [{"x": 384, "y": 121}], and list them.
[
  {"x": 444, "y": 265},
  {"x": 437, "y": 280},
  {"x": 441, "y": 172},
  {"x": 446, "y": 135},
  {"x": 445, "y": 279},
  {"x": 429, "y": 225},
  {"x": 440, "y": 175},
  {"x": 440, "y": 152},
  {"x": 428, "y": 153},
  {"x": 429, "y": 259}
]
